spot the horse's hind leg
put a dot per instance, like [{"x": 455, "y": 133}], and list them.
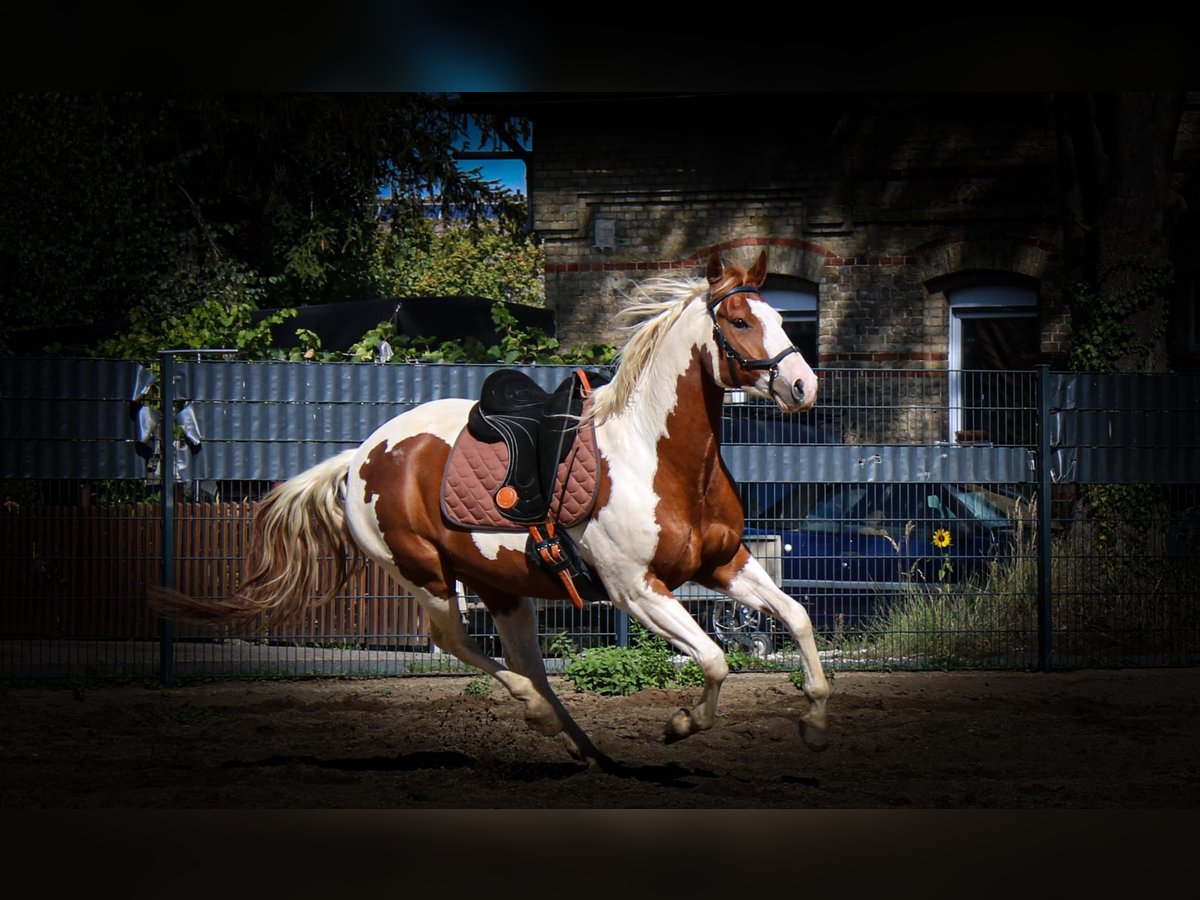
[{"x": 526, "y": 679}]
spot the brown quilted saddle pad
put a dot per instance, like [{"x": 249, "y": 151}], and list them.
[{"x": 475, "y": 471}]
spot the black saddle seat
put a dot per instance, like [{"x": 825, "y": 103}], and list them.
[{"x": 538, "y": 426}]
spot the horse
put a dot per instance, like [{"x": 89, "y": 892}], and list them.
[{"x": 666, "y": 509}]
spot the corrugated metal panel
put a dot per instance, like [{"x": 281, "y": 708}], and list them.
[
  {"x": 273, "y": 420},
  {"x": 1125, "y": 428},
  {"x": 1071, "y": 390},
  {"x": 67, "y": 379},
  {"x": 286, "y": 382},
  {"x": 270, "y": 420},
  {"x": 825, "y": 463},
  {"x": 69, "y": 419},
  {"x": 1118, "y": 465},
  {"x": 236, "y": 422},
  {"x": 259, "y": 460}
]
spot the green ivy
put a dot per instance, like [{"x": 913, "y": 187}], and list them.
[
  {"x": 1103, "y": 335},
  {"x": 1101, "y": 321}
]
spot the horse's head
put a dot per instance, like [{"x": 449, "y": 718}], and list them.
[{"x": 756, "y": 354}]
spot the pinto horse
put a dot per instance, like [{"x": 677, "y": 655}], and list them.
[{"x": 666, "y": 510}]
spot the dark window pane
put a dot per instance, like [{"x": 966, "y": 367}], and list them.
[
  {"x": 803, "y": 334},
  {"x": 996, "y": 407}
]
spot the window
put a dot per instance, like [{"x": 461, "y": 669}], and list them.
[
  {"x": 796, "y": 300},
  {"x": 994, "y": 342}
]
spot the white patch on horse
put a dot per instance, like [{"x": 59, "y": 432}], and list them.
[
  {"x": 489, "y": 544},
  {"x": 442, "y": 419},
  {"x": 793, "y": 367},
  {"x": 622, "y": 541},
  {"x": 364, "y": 525}
]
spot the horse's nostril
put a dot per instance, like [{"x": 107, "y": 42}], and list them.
[{"x": 798, "y": 390}]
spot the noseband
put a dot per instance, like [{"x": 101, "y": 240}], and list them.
[{"x": 732, "y": 352}]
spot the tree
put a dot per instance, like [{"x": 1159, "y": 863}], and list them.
[
  {"x": 1119, "y": 206},
  {"x": 147, "y": 205},
  {"x": 484, "y": 259}
]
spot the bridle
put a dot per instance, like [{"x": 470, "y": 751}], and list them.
[{"x": 732, "y": 352}]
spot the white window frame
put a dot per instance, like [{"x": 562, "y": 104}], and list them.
[{"x": 981, "y": 301}]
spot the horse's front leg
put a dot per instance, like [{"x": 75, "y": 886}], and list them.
[
  {"x": 654, "y": 606},
  {"x": 747, "y": 582}
]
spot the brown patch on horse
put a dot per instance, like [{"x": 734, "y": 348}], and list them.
[
  {"x": 722, "y": 576},
  {"x": 694, "y": 486},
  {"x": 427, "y": 551},
  {"x": 723, "y": 277}
]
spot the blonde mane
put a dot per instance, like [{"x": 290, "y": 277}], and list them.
[{"x": 648, "y": 314}]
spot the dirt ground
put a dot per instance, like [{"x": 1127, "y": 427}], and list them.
[{"x": 1089, "y": 739}]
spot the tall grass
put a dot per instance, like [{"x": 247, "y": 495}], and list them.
[{"x": 1131, "y": 602}]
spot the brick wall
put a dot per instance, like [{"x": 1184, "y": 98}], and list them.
[{"x": 872, "y": 199}]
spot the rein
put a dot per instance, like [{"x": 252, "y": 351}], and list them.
[{"x": 731, "y": 352}]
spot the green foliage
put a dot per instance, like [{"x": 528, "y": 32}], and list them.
[
  {"x": 561, "y": 647},
  {"x": 690, "y": 675},
  {"x": 646, "y": 663},
  {"x": 1127, "y": 524},
  {"x": 220, "y": 318},
  {"x": 607, "y": 670},
  {"x": 180, "y": 215},
  {"x": 480, "y": 686},
  {"x": 486, "y": 259},
  {"x": 1103, "y": 322},
  {"x": 796, "y": 677},
  {"x": 124, "y": 206}
]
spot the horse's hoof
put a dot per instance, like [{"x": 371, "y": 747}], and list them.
[
  {"x": 679, "y": 727},
  {"x": 815, "y": 737},
  {"x": 544, "y": 727}
]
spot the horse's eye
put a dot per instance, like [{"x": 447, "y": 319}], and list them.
[{"x": 740, "y": 323}]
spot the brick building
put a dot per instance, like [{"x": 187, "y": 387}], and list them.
[{"x": 914, "y": 232}]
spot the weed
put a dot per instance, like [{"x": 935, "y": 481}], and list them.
[
  {"x": 480, "y": 686},
  {"x": 690, "y": 675},
  {"x": 562, "y": 646}
]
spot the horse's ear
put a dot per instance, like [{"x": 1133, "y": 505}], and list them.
[
  {"x": 716, "y": 269},
  {"x": 758, "y": 272}
]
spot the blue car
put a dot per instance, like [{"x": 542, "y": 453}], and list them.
[{"x": 844, "y": 549}]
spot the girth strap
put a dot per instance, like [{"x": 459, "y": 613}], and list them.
[{"x": 556, "y": 553}]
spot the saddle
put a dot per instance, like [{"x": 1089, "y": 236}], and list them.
[{"x": 523, "y": 463}]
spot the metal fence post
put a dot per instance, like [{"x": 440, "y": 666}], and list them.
[
  {"x": 167, "y": 645},
  {"x": 1044, "y": 550},
  {"x": 622, "y": 628}
]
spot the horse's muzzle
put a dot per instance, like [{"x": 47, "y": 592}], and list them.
[{"x": 805, "y": 396}]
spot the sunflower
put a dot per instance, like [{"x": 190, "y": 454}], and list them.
[{"x": 941, "y": 538}]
